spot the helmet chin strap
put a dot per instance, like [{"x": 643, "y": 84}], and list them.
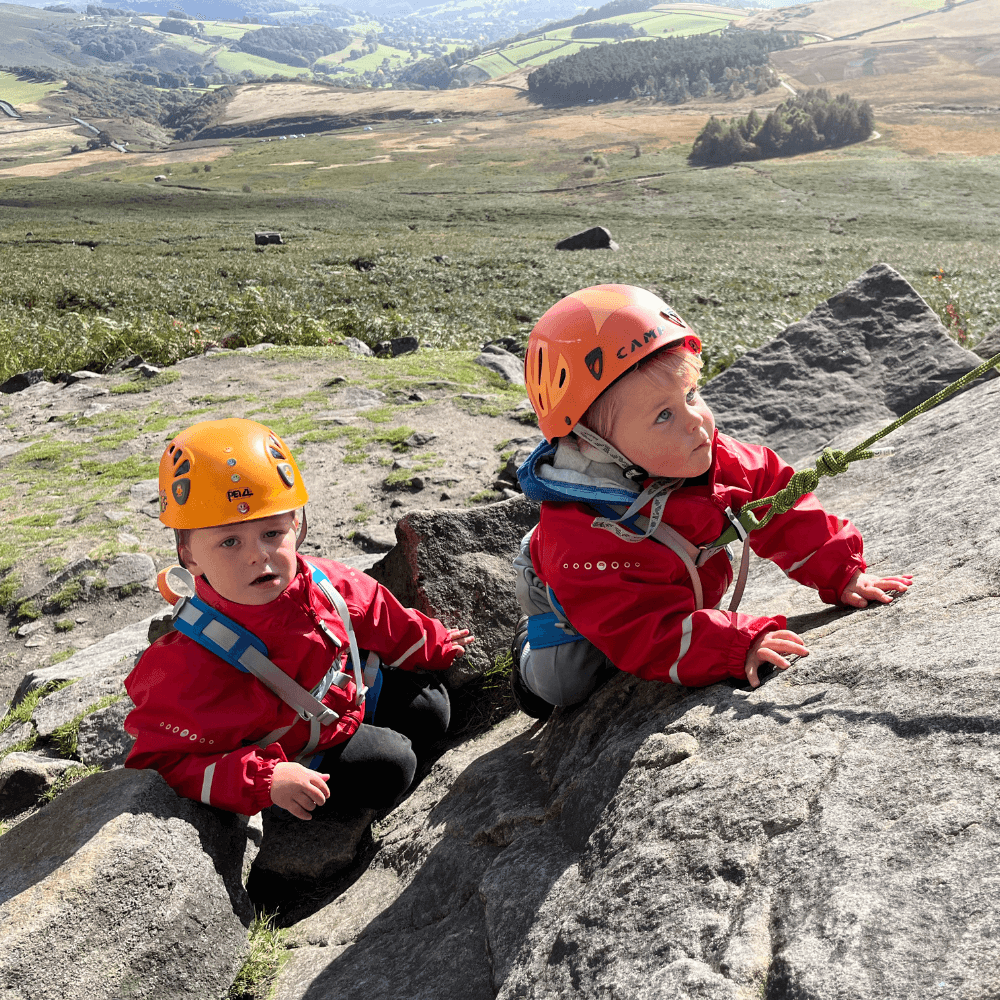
[{"x": 634, "y": 473}]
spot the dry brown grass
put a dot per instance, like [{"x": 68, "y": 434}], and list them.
[
  {"x": 97, "y": 157},
  {"x": 842, "y": 17},
  {"x": 258, "y": 103}
]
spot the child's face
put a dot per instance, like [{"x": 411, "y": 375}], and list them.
[
  {"x": 248, "y": 563},
  {"x": 664, "y": 425}
]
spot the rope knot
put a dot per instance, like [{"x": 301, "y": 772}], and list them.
[{"x": 830, "y": 463}]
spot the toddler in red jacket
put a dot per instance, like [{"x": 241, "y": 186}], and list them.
[
  {"x": 260, "y": 697},
  {"x": 637, "y": 486}
]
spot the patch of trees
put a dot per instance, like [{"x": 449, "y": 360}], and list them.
[
  {"x": 603, "y": 29},
  {"x": 671, "y": 69},
  {"x": 809, "y": 121},
  {"x": 175, "y": 26},
  {"x": 293, "y": 45},
  {"x": 438, "y": 72},
  {"x": 114, "y": 43},
  {"x": 98, "y": 96}
]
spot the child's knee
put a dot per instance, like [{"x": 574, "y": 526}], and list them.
[{"x": 563, "y": 675}]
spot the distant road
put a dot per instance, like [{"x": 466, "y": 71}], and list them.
[
  {"x": 791, "y": 90},
  {"x": 8, "y": 110}
]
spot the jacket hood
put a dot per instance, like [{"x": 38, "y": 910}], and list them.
[{"x": 541, "y": 481}]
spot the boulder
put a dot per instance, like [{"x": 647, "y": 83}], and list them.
[
  {"x": 25, "y": 778},
  {"x": 989, "y": 346},
  {"x": 455, "y": 565},
  {"x": 265, "y": 238},
  {"x": 101, "y": 740},
  {"x": 357, "y": 347},
  {"x": 868, "y": 354},
  {"x": 130, "y": 568},
  {"x": 21, "y": 381},
  {"x": 833, "y": 833},
  {"x": 304, "y": 853},
  {"x": 595, "y": 238},
  {"x": 121, "y": 888},
  {"x": 509, "y": 366}
]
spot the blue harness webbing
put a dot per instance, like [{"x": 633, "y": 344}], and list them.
[{"x": 238, "y": 646}]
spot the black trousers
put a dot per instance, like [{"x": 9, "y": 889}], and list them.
[{"x": 376, "y": 765}]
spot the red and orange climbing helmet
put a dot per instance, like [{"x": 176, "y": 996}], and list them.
[
  {"x": 589, "y": 339},
  {"x": 227, "y": 471}
]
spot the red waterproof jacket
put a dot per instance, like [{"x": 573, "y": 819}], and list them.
[
  {"x": 634, "y": 601},
  {"x": 197, "y": 719}
]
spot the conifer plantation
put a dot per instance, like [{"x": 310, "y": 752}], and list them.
[{"x": 802, "y": 124}]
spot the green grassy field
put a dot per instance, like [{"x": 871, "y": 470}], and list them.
[
  {"x": 740, "y": 252},
  {"x": 236, "y": 62},
  {"x": 16, "y": 91}
]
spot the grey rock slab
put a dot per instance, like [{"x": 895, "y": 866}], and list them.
[
  {"x": 357, "y": 347},
  {"x": 355, "y": 397},
  {"x": 456, "y": 565},
  {"x": 145, "y": 497},
  {"x": 419, "y": 898},
  {"x": 872, "y": 351},
  {"x": 374, "y": 539},
  {"x": 313, "y": 849},
  {"x": 989, "y": 346},
  {"x": 130, "y": 567},
  {"x": 102, "y": 740},
  {"x": 121, "y": 888},
  {"x": 15, "y": 734},
  {"x": 64, "y": 705},
  {"x": 25, "y": 778},
  {"x": 112, "y": 656},
  {"x": 833, "y": 833},
  {"x": 117, "y": 516},
  {"x": 27, "y": 629},
  {"x": 505, "y": 364},
  {"x": 80, "y": 376}
]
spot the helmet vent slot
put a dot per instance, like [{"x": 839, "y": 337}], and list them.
[
  {"x": 562, "y": 377},
  {"x": 183, "y": 469},
  {"x": 539, "y": 364}
]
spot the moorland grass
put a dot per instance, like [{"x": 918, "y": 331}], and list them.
[{"x": 463, "y": 253}]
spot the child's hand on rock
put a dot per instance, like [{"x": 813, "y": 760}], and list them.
[
  {"x": 297, "y": 789},
  {"x": 459, "y": 639},
  {"x": 864, "y": 588},
  {"x": 772, "y": 648}
]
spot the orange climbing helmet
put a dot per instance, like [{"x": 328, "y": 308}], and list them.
[
  {"x": 227, "y": 471},
  {"x": 589, "y": 339}
]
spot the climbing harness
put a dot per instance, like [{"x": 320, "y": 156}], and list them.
[
  {"x": 240, "y": 648},
  {"x": 833, "y": 462}
]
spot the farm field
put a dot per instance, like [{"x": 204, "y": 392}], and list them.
[
  {"x": 447, "y": 233},
  {"x": 237, "y": 62},
  {"x": 24, "y": 92},
  {"x": 666, "y": 19}
]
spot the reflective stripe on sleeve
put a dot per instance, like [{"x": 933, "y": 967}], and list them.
[
  {"x": 800, "y": 563},
  {"x": 686, "y": 630},
  {"x": 419, "y": 644},
  {"x": 206, "y": 784}
]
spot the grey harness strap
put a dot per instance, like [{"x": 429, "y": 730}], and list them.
[{"x": 691, "y": 555}]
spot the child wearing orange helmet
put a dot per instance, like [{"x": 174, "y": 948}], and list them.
[
  {"x": 624, "y": 569},
  {"x": 258, "y": 696}
]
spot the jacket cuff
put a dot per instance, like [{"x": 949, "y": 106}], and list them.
[
  {"x": 265, "y": 775},
  {"x": 831, "y": 593},
  {"x": 748, "y": 634}
]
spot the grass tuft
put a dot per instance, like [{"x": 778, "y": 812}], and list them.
[{"x": 268, "y": 953}]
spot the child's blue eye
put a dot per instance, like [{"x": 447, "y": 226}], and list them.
[
  {"x": 691, "y": 395},
  {"x": 664, "y": 416},
  {"x": 228, "y": 543}
]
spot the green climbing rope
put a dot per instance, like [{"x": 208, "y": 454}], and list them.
[{"x": 832, "y": 462}]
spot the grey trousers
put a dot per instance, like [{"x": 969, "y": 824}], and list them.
[{"x": 562, "y": 675}]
